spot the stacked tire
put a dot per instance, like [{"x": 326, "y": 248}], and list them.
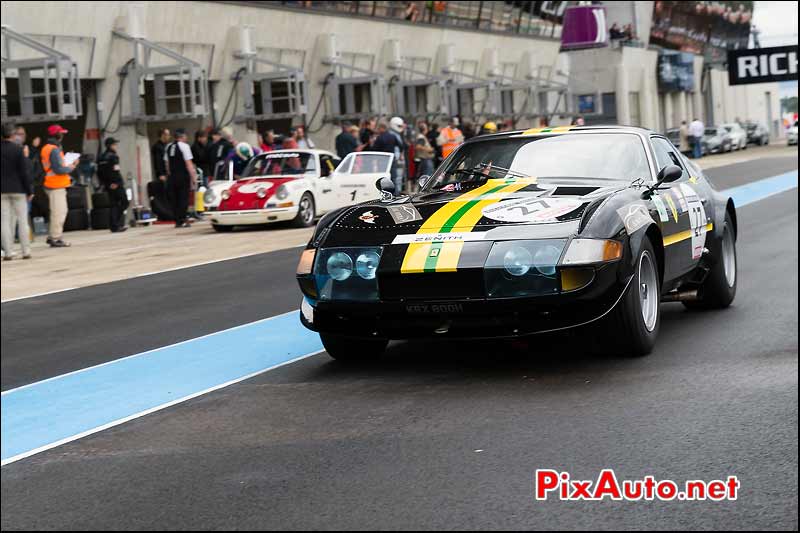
[
  {"x": 78, "y": 210},
  {"x": 101, "y": 211}
]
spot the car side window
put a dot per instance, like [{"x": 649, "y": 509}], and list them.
[
  {"x": 666, "y": 154},
  {"x": 327, "y": 165}
]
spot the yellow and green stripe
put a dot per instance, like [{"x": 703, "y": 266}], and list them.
[
  {"x": 463, "y": 214},
  {"x": 683, "y": 235},
  {"x": 556, "y": 129}
]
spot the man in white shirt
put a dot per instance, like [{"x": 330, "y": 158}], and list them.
[
  {"x": 181, "y": 176},
  {"x": 696, "y": 130}
]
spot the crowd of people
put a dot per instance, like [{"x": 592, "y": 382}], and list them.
[
  {"x": 23, "y": 168},
  {"x": 178, "y": 167},
  {"x": 418, "y": 149}
]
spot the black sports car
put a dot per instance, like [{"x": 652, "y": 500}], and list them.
[{"x": 521, "y": 233}]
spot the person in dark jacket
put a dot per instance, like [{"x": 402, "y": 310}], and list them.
[
  {"x": 220, "y": 149},
  {"x": 201, "y": 151},
  {"x": 157, "y": 154},
  {"x": 108, "y": 172},
  {"x": 16, "y": 190},
  {"x": 346, "y": 142}
]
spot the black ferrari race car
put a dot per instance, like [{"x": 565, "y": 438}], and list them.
[{"x": 521, "y": 233}]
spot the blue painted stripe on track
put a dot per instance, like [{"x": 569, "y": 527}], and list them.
[
  {"x": 758, "y": 190},
  {"x": 68, "y": 406},
  {"x": 48, "y": 413}
]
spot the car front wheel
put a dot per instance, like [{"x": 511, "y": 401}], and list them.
[
  {"x": 632, "y": 326},
  {"x": 353, "y": 349},
  {"x": 305, "y": 212}
]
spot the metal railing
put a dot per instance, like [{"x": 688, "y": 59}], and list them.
[{"x": 490, "y": 16}]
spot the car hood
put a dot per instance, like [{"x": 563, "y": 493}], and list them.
[{"x": 496, "y": 209}]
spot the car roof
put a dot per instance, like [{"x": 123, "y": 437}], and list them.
[{"x": 562, "y": 130}]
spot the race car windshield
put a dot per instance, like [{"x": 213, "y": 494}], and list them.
[
  {"x": 280, "y": 164},
  {"x": 600, "y": 156}
]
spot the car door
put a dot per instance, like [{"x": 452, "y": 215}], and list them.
[
  {"x": 356, "y": 180},
  {"x": 680, "y": 207},
  {"x": 326, "y": 187}
]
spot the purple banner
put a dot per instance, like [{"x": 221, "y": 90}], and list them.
[{"x": 584, "y": 27}]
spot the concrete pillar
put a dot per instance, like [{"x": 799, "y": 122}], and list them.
[
  {"x": 622, "y": 98},
  {"x": 697, "y": 107},
  {"x": 668, "y": 119},
  {"x": 648, "y": 102}
]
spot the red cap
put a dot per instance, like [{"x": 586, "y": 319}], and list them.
[{"x": 55, "y": 129}]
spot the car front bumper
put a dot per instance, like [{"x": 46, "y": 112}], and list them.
[
  {"x": 253, "y": 216},
  {"x": 468, "y": 317}
]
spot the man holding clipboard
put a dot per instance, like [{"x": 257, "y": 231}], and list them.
[{"x": 56, "y": 182}]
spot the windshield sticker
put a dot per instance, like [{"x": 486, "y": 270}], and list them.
[
  {"x": 662, "y": 209},
  {"x": 281, "y": 155},
  {"x": 439, "y": 237},
  {"x": 697, "y": 220},
  {"x": 532, "y": 209},
  {"x": 634, "y": 217},
  {"x": 402, "y": 214}
]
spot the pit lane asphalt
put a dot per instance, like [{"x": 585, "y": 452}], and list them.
[{"x": 394, "y": 445}]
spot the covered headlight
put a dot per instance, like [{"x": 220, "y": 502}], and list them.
[
  {"x": 517, "y": 261},
  {"x": 339, "y": 266},
  {"x": 367, "y": 264},
  {"x": 282, "y": 193},
  {"x": 334, "y": 270},
  {"x": 209, "y": 196},
  {"x": 591, "y": 251},
  {"x": 261, "y": 192},
  {"x": 523, "y": 268}
]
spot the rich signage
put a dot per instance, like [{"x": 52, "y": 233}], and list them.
[
  {"x": 760, "y": 65},
  {"x": 584, "y": 27}
]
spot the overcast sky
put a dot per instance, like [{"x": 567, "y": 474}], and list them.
[{"x": 777, "y": 22}]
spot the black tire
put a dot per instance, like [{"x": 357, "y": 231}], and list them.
[
  {"x": 100, "y": 200},
  {"x": 77, "y": 220},
  {"x": 101, "y": 218},
  {"x": 717, "y": 292},
  {"x": 625, "y": 329},
  {"x": 306, "y": 206},
  {"x": 353, "y": 349},
  {"x": 222, "y": 229}
]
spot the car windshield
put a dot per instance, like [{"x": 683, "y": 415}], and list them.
[
  {"x": 600, "y": 156},
  {"x": 280, "y": 164},
  {"x": 370, "y": 163}
]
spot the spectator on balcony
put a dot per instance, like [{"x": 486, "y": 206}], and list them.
[{"x": 411, "y": 12}]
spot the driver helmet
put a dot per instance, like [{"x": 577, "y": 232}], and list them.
[
  {"x": 244, "y": 150},
  {"x": 397, "y": 124}
]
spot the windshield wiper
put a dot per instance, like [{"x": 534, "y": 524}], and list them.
[{"x": 483, "y": 169}]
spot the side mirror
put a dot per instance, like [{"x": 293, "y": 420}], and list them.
[
  {"x": 423, "y": 180},
  {"x": 386, "y": 185},
  {"x": 669, "y": 173}
]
